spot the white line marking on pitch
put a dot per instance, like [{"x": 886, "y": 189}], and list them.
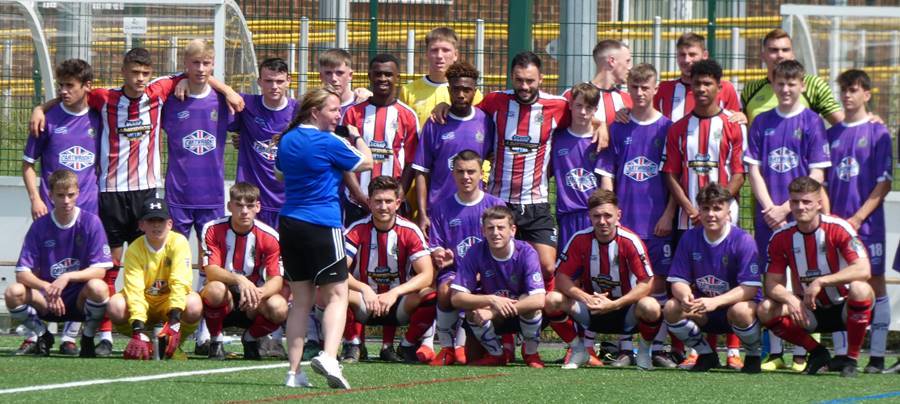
[{"x": 134, "y": 379}]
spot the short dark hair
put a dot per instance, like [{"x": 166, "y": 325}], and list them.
[
  {"x": 385, "y": 183},
  {"x": 588, "y": 91},
  {"x": 691, "y": 39},
  {"x": 384, "y": 58},
  {"x": 789, "y": 69},
  {"x": 277, "y": 65},
  {"x": 75, "y": 69},
  {"x": 804, "y": 185},
  {"x": 138, "y": 56},
  {"x": 468, "y": 155},
  {"x": 855, "y": 76},
  {"x": 461, "y": 69},
  {"x": 642, "y": 73},
  {"x": 713, "y": 193},
  {"x": 707, "y": 67},
  {"x": 602, "y": 197},
  {"x": 525, "y": 59},
  {"x": 497, "y": 212},
  {"x": 243, "y": 191}
]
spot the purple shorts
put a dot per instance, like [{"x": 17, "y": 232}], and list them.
[
  {"x": 269, "y": 217},
  {"x": 660, "y": 251},
  {"x": 446, "y": 275},
  {"x": 185, "y": 218},
  {"x": 717, "y": 322},
  {"x": 762, "y": 234},
  {"x": 70, "y": 299},
  {"x": 875, "y": 247},
  {"x": 569, "y": 224}
]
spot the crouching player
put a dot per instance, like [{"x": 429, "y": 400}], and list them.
[
  {"x": 499, "y": 280},
  {"x": 715, "y": 283},
  {"x": 59, "y": 275},
  {"x": 157, "y": 289},
  {"x": 603, "y": 281},
  {"x": 391, "y": 270},
  {"x": 829, "y": 269},
  {"x": 242, "y": 261}
]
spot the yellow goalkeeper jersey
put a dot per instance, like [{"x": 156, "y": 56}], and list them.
[
  {"x": 157, "y": 277},
  {"x": 423, "y": 94}
]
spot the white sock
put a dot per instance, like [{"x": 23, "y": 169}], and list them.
[
  {"x": 106, "y": 336},
  {"x": 839, "y": 340},
  {"x": 446, "y": 324},
  {"x": 799, "y": 351},
  {"x": 660, "y": 340},
  {"x": 93, "y": 315},
  {"x": 625, "y": 343},
  {"x": 881, "y": 318},
  {"x": 776, "y": 346},
  {"x": 202, "y": 333},
  {"x": 487, "y": 337},
  {"x": 70, "y": 331},
  {"x": 687, "y": 331},
  {"x": 750, "y": 338},
  {"x": 218, "y": 338},
  {"x": 460, "y": 340},
  {"x": 531, "y": 332},
  {"x": 28, "y": 316},
  {"x": 278, "y": 334},
  {"x": 589, "y": 338},
  {"x": 428, "y": 337}
]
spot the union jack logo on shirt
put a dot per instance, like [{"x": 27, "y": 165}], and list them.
[
  {"x": 783, "y": 160},
  {"x": 641, "y": 169},
  {"x": 709, "y": 285},
  {"x": 581, "y": 180},
  {"x": 63, "y": 266},
  {"x": 463, "y": 247},
  {"x": 265, "y": 149},
  {"x": 76, "y": 158},
  {"x": 199, "y": 142}
]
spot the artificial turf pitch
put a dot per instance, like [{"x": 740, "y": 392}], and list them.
[{"x": 378, "y": 382}]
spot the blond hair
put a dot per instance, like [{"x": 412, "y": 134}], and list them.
[{"x": 199, "y": 47}]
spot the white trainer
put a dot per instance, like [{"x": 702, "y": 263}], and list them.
[
  {"x": 578, "y": 358},
  {"x": 296, "y": 380},
  {"x": 331, "y": 369},
  {"x": 643, "y": 359}
]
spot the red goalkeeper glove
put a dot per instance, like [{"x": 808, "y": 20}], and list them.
[
  {"x": 139, "y": 347},
  {"x": 172, "y": 334}
]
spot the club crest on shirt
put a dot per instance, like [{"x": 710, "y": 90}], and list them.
[
  {"x": 715, "y": 134},
  {"x": 847, "y": 168},
  {"x": 479, "y": 136},
  {"x": 862, "y": 142},
  {"x": 782, "y": 160},
  {"x": 455, "y": 222},
  {"x": 798, "y": 134},
  {"x": 710, "y": 285},
  {"x": 214, "y": 116},
  {"x": 63, "y": 266},
  {"x": 158, "y": 287},
  {"x": 91, "y": 133},
  {"x": 641, "y": 169},
  {"x": 627, "y": 140},
  {"x": 199, "y": 142},
  {"x": 539, "y": 118},
  {"x": 76, "y": 158},
  {"x": 463, "y": 247},
  {"x": 835, "y": 143},
  {"x": 581, "y": 180},
  {"x": 266, "y": 149}
]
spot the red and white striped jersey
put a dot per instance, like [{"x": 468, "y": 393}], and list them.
[
  {"x": 614, "y": 267},
  {"x": 392, "y": 134},
  {"x": 129, "y": 144},
  {"x": 383, "y": 259},
  {"x": 703, "y": 150},
  {"x": 522, "y": 144},
  {"x": 675, "y": 98},
  {"x": 829, "y": 249},
  {"x": 611, "y": 100},
  {"x": 256, "y": 254}
]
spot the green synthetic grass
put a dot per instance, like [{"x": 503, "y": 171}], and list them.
[{"x": 378, "y": 382}]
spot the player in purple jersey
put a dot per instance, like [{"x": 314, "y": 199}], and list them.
[
  {"x": 59, "y": 275},
  {"x": 631, "y": 166},
  {"x": 500, "y": 279},
  {"x": 456, "y": 228},
  {"x": 858, "y": 181},
  {"x": 196, "y": 131},
  {"x": 573, "y": 161},
  {"x": 69, "y": 143},
  {"x": 715, "y": 283},
  {"x": 466, "y": 128}
]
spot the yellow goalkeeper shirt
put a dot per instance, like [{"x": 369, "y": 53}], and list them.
[{"x": 157, "y": 277}]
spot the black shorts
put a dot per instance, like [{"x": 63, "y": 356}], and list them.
[
  {"x": 388, "y": 319},
  {"x": 311, "y": 252},
  {"x": 622, "y": 321},
  {"x": 831, "y": 318},
  {"x": 534, "y": 223},
  {"x": 120, "y": 213},
  {"x": 237, "y": 317}
]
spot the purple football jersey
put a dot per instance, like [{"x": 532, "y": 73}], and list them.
[
  {"x": 51, "y": 249},
  {"x": 456, "y": 225},
  {"x": 69, "y": 142},
  {"x": 860, "y": 158},
  {"x": 479, "y": 272},
  {"x": 573, "y": 162},
  {"x": 438, "y": 144},
  {"x": 256, "y": 124},
  {"x": 714, "y": 268},
  {"x": 634, "y": 159},
  {"x": 196, "y": 131}
]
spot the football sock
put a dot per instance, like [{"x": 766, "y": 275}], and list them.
[
  {"x": 563, "y": 325},
  {"x": 687, "y": 331},
  {"x": 388, "y": 333},
  {"x": 202, "y": 334},
  {"x": 799, "y": 351},
  {"x": 460, "y": 340},
  {"x": 649, "y": 331},
  {"x": 508, "y": 342},
  {"x": 677, "y": 344},
  {"x": 733, "y": 342},
  {"x": 858, "y": 315},
  {"x": 28, "y": 316},
  {"x": 70, "y": 331},
  {"x": 839, "y": 342},
  {"x": 419, "y": 323},
  {"x": 313, "y": 325},
  {"x": 446, "y": 322},
  {"x": 531, "y": 332},
  {"x": 589, "y": 338},
  {"x": 713, "y": 341},
  {"x": 486, "y": 335},
  {"x": 215, "y": 319},
  {"x": 93, "y": 315},
  {"x": 261, "y": 327},
  {"x": 278, "y": 334},
  {"x": 105, "y": 335},
  {"x": 660, "y": 339},
  {"x": 776, "y": 346},
  {"x": 625, "y": 343},
  {"x": 881, "y": 318},
  {"x": 750, "y": 337},
  {"x": 785, "y": 328},
  {"x": 352, "y": 328}
]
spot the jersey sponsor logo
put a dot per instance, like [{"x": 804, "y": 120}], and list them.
[
  {"x": 520, "y": 144},
  {"x": 157, "y": 288},
  {"x": 810, "y": 275},
  {"x": 266, "y": 149},
  {"x": 61, "y": 130},
  {"x": 448, "y": 136},
  {"x": 199, "y": 142},
  {"x": 503, "y": 293},
  {"x": 641, "y": 169},
  {"x": 63, "y": 266},
  {"x": 76, "y": 158},
  {"x": 702, "y": 164},
  {"x": 380, "y": 150},
  {"x": 782, "y": 160},
  {"x": 604, "y": 282},
  {"x": 134, "y": 129},
  {"x": 848, "y": 168},
  {"x": 710, "y": 285},
  {"x": 183, "y": 115},
  {"x": 463, "y": 247},
  {"x": 581, "y": 180},
  {"x": 382, "y": 275}
]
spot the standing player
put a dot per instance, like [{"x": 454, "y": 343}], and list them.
[
  {"x": 336, "y": 74},
  {"x": 858, "y": 181},
  {"x": 631, "y": 166},
  {"x": 500, "y": 280},
  {"x": 456, "y": 228},
  {"x": 829, "y": 268},
  {"x": 466, "y": 128},
  {"x": 391, "y": 269},
  {"x": 59, "y": 275},
  {"x": 603, "y": 280},
  {"x": 715, "y": 283},
  {"x": 242, "y": 262},
  {"x": 158, "y": 278},
  {"x": 613, "y": 60}
]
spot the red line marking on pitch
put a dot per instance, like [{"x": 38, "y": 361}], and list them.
[{"x": 371, "y": 388}]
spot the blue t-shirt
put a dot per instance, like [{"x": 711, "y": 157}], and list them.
[{"x": 313, "y": 162}]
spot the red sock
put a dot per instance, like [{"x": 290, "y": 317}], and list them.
[
  {"x": 352, "y": 329},
  {"x": 215, "y": 317},
  {"x": 508, "y": 341},
  {"x": 419, "y": 322},
  {"x": 713, "y": 340},
  {"x": 261, "y": 327},
  {"x": 110, "y": 279},
  {"x": 388, "y": 333},
  {"x": 732, "y": 341},
  {"x": 785, "y": 328},
  {"x": 858, "y": 315},
  {"x": 649, "y": 330},
  {"x": 677, "y": 344},
  {"x": 565, "y": 329},
  {"x": 105, "y": 325}
]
